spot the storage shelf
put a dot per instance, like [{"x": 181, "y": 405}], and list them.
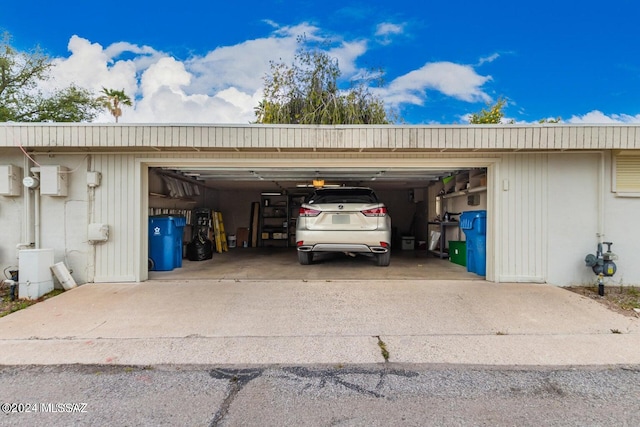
[
  {"x": 274, "y": 207},
  {"x": 442, "y": 252},
  {"x": 464, "y": 192},
  {"x": 164, "y": 196}
]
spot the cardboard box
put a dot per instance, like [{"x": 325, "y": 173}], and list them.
[
  {"x": 242, "y": 237},
  {"x": 408, "y": 243}
]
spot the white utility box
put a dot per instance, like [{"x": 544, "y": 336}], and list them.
[
  {"x": 98, "y": 232},
  {"x": 10, "y": 180},
  {"x": 34, "y": 273},
  {"x": 93, "y": 179},
  {"x": 54, "y": 180}
]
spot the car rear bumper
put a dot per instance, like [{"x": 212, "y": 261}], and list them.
[
  {"x": 368, "y": 241},
  {"x": 342, "y": 247}
]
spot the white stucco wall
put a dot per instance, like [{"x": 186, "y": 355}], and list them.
[
  {"x": 622, "y": 227},
  {"x": 11, "y": 218},
  {"x": 63, "y": 220},
  {"x": 576, "y": 202},
  {"x": 573, "y": 200}
]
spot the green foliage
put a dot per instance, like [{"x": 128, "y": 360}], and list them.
[
  {"x": 493, "y": 114},
  {"x": 112, "y": 99},
  {"x": 307, "y": 92},
  {"x": 21, "y": 99},
  {"x": 556, "y": 120}
]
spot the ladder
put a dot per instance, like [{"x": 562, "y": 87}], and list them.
[{"x": 220, "y": 236}]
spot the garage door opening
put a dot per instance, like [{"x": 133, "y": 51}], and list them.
[{"x": 258, "y": 206}]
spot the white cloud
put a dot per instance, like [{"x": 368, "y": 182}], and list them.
[
  {"x": 242, "y": 66},
  {"x": 167, "y": 72},
  {"x": 225, "y": 84},
  {"x": 385, "y": 30},
  {"x": 488, "y": 59},
  {"x": 598, "y": 117},
  {"x": 454, "y": 80},
  {"x": 347, "y": 54},
  {"x": 222, "y": 86},
  {"x": 89, "y": 67}
]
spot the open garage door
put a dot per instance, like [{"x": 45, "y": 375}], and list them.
[{"x": 258, "y": 207}]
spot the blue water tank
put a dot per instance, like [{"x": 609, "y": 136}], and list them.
[
  {"x": 165, "y": 242},
  {"x": 474, "y": 225}
]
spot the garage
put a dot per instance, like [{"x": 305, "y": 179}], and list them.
[
  {"x": 106, "y": 181},
  {"x": 257, "y": 205}
]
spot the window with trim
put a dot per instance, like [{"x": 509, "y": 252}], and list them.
[{"x": 626, "y": 174}]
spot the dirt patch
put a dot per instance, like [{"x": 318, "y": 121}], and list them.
[
  {"x": 7, "y": 306},
  {"x": 621, "y": 299}
]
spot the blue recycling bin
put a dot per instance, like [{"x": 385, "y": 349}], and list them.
[
  {"x": 474, "y": 225},
  {"x": 165, "y": 242}
]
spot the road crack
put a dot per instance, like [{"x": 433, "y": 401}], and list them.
[{"x": 238, "y": 378}]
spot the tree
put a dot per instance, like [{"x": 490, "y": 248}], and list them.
[
  {"x": 307, "y": 92},
  {"x": 112, "y": 99},
  {"x": 22, "y": 100},
  {"x": 551, "y": 120},
  {"x": 493, "y": 114}
]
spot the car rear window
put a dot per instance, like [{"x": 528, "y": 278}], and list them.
[{"x": 351, "y": 195}]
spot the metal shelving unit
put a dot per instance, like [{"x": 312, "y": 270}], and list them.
[
  {"x": 442, "y": 252},
  {"x": 274, "y": 220}
]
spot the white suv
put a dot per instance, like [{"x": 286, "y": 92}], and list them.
[{"x": 344, "y": 219}]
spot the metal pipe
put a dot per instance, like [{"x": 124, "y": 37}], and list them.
[
  {"x": 37, "y": 218},
  {"x": 601, "y": 198},
  {"x": 27, "y": 231}
]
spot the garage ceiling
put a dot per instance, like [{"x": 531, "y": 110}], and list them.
[{"x": 288, "y": 178}]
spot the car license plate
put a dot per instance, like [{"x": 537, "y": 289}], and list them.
[{"x": 340, "y": 219}]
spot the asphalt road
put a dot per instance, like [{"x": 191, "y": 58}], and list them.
[{"x": 367, "y": 395}]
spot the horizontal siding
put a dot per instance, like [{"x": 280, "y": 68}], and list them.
[{"x": 256, "y": 137}]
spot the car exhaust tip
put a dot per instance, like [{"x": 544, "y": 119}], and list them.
[{"x": 379, "y": 250}]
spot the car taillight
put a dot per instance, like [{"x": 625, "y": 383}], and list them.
[
  {"x": 375, "y": 212},
  {"x": 308, "y": 212}
]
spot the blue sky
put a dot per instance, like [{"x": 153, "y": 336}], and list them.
[{"x": 203, "y": 61}]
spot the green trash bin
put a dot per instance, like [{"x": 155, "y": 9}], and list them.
[{"x": 458, "y": 252}]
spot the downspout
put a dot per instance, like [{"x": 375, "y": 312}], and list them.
[
  {"x": 36, "y": 214},
  {"x": 601, "y": 198},
  {"x": 91, "y": 192},
  {"x": 36, "y": 222},
  {"x": 26, "y": 197}
]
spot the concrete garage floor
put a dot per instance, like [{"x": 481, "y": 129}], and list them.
[{"x": 282, "y": 264}]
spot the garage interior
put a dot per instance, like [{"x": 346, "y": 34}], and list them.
[{"x": 258, "y": 208}]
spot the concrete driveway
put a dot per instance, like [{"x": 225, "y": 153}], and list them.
[{"x": 235, "y": 321}]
